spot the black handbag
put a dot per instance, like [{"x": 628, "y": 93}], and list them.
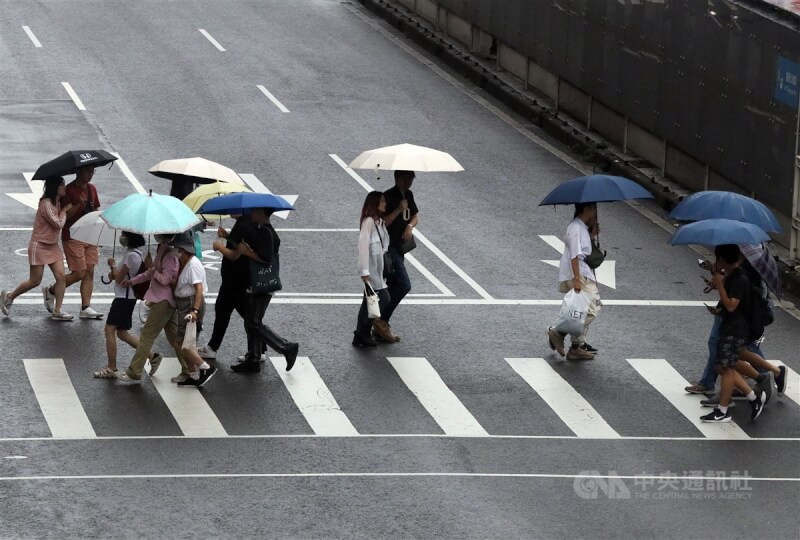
[
  {"x": 596, "y": 257},
  {"x": 405, "y": 247},
  {"x": 265, "y": 277},
  {"x": 388, "y": 263}
]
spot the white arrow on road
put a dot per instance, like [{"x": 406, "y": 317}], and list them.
[
  {"x": 258, "y": 187},
  {"x": 605, "y": 273},
  {"x": 30, "y": 199}
]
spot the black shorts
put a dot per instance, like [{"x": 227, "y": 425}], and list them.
[
  {"x": 120, "y": 316},
  {"x": 728, "y": 350}
]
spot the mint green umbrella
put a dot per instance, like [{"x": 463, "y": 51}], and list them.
[{"x": 150, "y": 213}]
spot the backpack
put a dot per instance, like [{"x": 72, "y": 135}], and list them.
[
  {"x": 761, "y": 313},
  {"x": 140, "y": 289}
]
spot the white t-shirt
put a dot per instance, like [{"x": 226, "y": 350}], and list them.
[
  {"x": 133, "y": 260},
  {"x": 577, "y": 243},
  {"x": 191, "y": 274}
]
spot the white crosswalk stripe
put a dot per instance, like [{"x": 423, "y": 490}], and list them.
[
  {"x": 565, "y": 401},
  {"x": 440, "y": 402},
  {"x": 57, "y": 398},
  {"x": 671, "y": 384}
]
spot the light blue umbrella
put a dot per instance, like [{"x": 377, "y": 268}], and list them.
[
  {"x": 727, "y": 205},
  {"x": 150, "y": 213},
  {"x": 716, "y": 232}
]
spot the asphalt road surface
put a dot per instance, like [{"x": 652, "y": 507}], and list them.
[{"x": 470, "y": 426}]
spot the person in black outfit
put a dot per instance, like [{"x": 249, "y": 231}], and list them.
[
  {"x": 261, "y": 243},
  {"x": 401, "y": 217}
]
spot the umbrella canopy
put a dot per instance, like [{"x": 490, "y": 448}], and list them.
[
  {"x": 70, "y": 162},
  {"x": 759, "y": 258},
  {"x": 196, "y": 170},
  {"x": 406, "y": 157},
  {"x": 715, "y": 232},
  {"x": 92, "y": 229},
  {"x": 727, "y": 205},
  {"x": 199, "y": 196},
  {"x": 596, "y": 188},
  {"x": 238, "y": 203},
  {"x": 150, "y": 214}
]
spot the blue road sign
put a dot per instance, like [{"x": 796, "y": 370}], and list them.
[{"x": 787, "y": 87}]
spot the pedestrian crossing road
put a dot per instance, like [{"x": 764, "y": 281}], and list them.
[{"x": 65, "y": 409}]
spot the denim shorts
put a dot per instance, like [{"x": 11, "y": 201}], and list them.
[{"x": 728, "y": 350}]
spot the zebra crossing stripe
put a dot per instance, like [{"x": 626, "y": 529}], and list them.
[
  {"x": 664, "y": 378},
  {"x": 190, "y": 409},
  {"x": 565, "y": 401},
  {"x": 57, "y": 399},
  {"x": 313, "y": 398},
  {"x": 792, "y": 390},
  {"x": 440, "y": 402}
]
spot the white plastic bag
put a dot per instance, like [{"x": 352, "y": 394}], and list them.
[
  {"x": 190, "y": 337},
  {"x": 574, "y": 310},
  {"x": 373, "y": 307}
]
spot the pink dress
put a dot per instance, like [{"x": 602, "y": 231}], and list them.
[{"x": 43, "y": 248}]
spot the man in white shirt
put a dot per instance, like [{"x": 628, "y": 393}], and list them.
[{"x": 574, "y": 273}]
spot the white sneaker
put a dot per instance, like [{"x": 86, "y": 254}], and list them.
[
  {"x": 89, "y": 313},
  {"x": 49, "y": 299},
  {"x": 61, "y": 316},
  {"x": 242, "y": 357},
  {"x": 207, "y": 353},
  {"x": 179, "y": 378},
  {"x": 5, "y": 303}
]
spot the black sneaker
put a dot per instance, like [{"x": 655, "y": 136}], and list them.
[
  {"x": 362, "y": 341},
  {"x": 588, "y": 348},
  {"x": 205, "y": 375},
  {"x": 247, "y": 366},
  {"x": 717, "y": 416},
  {"x": 291, "y": 355},
  {"x": 780, "y": 380},
  {"x": 766, "y": 386},
  {"x": 189, "y": 383},
  {"x": 757, "y": 405}
]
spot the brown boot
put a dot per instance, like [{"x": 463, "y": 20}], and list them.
[{"x": 381, "y": 328}]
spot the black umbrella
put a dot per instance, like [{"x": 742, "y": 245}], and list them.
[{"x": 70, "y": 162}]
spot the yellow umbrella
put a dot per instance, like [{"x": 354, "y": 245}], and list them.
[{"x": 196, "y": 198}]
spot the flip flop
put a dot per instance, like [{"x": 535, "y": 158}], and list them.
[{"x": 106, "y": 373}]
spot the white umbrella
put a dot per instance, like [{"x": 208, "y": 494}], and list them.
[
  {"x": 198, "y": 170},
  {"x": 93, "y": 230},
  {"x": 406, "y": 157}
]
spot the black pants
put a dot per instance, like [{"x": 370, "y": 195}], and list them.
[
  {"x": 258, "y": 334},
  {"x": 231, "y": 297}
]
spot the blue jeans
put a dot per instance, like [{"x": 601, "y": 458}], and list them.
[
  {"x": 364, "y": 324},
  {"x": 398, "y": 282},
  {"x": 709, "y": 378}
]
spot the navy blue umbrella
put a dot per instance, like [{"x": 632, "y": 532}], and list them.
[
  {"x": 596, "y": 188},
  {"x": 715, "y": 232},
  {"x": 238, "y": 203},
  {"x": 727, "y": 205}
]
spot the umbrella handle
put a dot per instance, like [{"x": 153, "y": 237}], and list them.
[{"x": 103, "y": 279}]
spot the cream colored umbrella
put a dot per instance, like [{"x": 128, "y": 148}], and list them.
[
  {"x": 406, "y": 157},
  {"x": 197, "y": 170},
  {"x": 199, "y": 196}
]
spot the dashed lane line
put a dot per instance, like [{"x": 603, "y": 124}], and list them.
[
  {"x": 32, "y": 36},
  {"x": 210, "y": 38},
  {"x": 74, "y": 96},
  {"x": 272, "y": 98}
]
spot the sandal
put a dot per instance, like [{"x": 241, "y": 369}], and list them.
[
  {"x": 697, "y": 389},
  {"x": 106, "y": 373},
  {"x": 154, "y": 363}
]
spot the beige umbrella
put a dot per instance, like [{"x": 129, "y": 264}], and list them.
[
  {"x": 196, "y": 170},
  {"x": 406, "y": 157}
]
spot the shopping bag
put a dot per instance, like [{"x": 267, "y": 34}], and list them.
[
  {"x": 190, "y": 337},
  {"x": 574, "y": 310},
  {"x": 373, "y": 307}
]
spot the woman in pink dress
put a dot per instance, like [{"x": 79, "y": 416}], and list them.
[{"x": 44, "y": 248}]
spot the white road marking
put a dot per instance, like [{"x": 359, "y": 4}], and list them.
[
  {"x": 30, "y": 199},
  {"x": 565, "y": 401},
  {"x": 57, "y": 398},
  {"x": 636, "y": 477},
  {"x": 190, "y": 409},
  {"x": 313, "y": 398},
  {"x": 74, "y": 96},
  {"x": 272, "y": 98},
  {"x": 792, "y": 390},
  {"x": 605, "y": 273},
  {"x": 128, "y": 174},
  {"x": 32, "y": 36},
  {"x": 440, "y": 402},
  {"x": 664, "y": 378},
  {"x": 258, "y": 186},
  {"x": 210, "y": 38},
  {"x": 421, "y": 237},
  {"x": 430, "y": 277}
]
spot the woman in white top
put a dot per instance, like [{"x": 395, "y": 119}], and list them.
[
  {"x": 190, "y": 306},
  {"x": 373, "y": 242}
]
